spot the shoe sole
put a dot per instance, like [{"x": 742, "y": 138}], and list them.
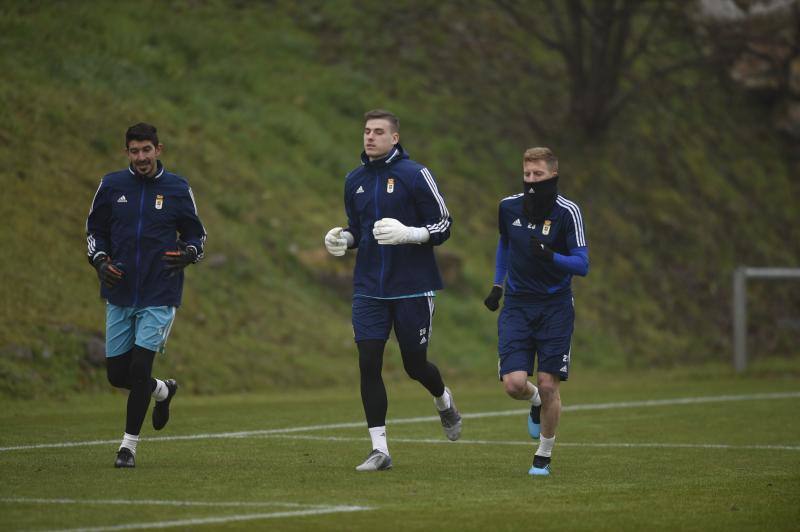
[
  {"x": 383, "y": 468},
  {"x": 536, "y": 472}
]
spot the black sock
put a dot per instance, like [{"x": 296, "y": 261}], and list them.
[{"x": 373, "y": 391}]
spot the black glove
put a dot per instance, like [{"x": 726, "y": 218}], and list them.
[
  {"x": 109, "y": 273},
  {"x": 178, "y": 259},
  {"x": 492, "y": 301},
  {"x": 541, "y": 251}
]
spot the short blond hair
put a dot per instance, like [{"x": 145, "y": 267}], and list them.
[{"x": 542, "y": 154}]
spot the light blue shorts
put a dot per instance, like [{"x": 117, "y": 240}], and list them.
[{"x": 147, "y": 327}]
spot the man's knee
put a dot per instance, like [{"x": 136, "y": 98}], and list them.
[
  {"x": 141, "y": 365},
  {"x": 370, "y": 357},
  {"x": 118, "y": 377},
  {"x": 118, "y": 370},
  {"x": 548, "y": 387},
  {"x": 415, "y": 363},
  {"x": 516, "y": 385}
]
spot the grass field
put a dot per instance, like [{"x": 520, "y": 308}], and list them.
[{"x": 637, "y": 452}]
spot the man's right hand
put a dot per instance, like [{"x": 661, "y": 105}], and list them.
[
  {"x": 107, "y": 272},
  {"x": 335, "y": 242},
  {"x": 492, "y": 301}
]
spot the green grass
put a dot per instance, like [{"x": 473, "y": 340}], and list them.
[{"x": 460, "y": 486}]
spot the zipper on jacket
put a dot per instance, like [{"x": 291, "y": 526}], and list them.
[
  {"x": 377, "y": 217},
  {"x": 138, "y": 245}
]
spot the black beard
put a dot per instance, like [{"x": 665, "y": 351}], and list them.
[{"x": 539, "y": 198}]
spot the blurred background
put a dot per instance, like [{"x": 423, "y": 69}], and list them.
[{"x": 677, "y": 126}]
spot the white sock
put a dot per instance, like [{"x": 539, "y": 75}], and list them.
[
  {"x": 129, "y": 441},
  {"x": 443, "y": 402},
  {"x": 160, "y": 392},
  {"x": 546, "y": 446},
  {"x": 378, "y": 435},
  {"x": 535, "y": 399}
]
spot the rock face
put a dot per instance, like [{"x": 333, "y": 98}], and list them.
[{"x": 760, "y": 43}]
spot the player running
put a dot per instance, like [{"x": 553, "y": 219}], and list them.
[
  {"x": 542, "y": 245},
  {"x": 396, "y": 215},
  {"x": 142, "y": 230}
]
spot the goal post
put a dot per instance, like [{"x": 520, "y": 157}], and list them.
[{"x": 740, "y": 277}]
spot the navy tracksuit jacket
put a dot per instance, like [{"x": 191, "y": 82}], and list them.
[
  {"x": 134, "y": 220},
  {"x": 394, "y": 187}
]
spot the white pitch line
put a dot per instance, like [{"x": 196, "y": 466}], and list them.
[
  {"x": 424, "y": 419},
  {"x": 148, "y": 502},
  {"x": 219, "y": 519},
  {"x": 560, "y": 444}
]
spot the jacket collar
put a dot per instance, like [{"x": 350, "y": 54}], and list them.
[
  {"x": 397, "y": 153},
  {"x": 159, "y": 172}
]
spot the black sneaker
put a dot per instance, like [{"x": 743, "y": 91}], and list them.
[
  {"x": 541, "y": 466},
  {"x": 124, "y": 458},
  {"x": 161, "y": 410}
]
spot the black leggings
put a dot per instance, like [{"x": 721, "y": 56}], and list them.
[
  {"x": 132, "y": 371},
  {"x": 373, "y": 391}
]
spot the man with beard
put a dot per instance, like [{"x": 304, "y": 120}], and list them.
[
  {"x": 542, "y": 245},
  {"x": 142, "y": 231}
]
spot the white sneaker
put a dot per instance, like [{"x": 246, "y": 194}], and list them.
[
  {"x": 376, "y": 461},
  {"x": 451, "y": 419}
]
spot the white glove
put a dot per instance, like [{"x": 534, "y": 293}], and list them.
[
  {"x": 337, "y": 241},
  {"x": 391, "y": 232}
]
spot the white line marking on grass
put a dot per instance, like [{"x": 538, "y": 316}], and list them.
[
  {"x": 307, "y": 509},
  {"x": 564, "y": 444},
  {"x": 425, "y": 419},
  {"x": 219, "y": 519},
  {"x": 147, "y": 502}
]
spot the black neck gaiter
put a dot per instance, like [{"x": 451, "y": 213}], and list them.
[{"x": 539, "y": 198}]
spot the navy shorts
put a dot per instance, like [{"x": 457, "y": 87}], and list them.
[
  {"x": 529, "y": 328},
  {"x": 411, "y": 317}
]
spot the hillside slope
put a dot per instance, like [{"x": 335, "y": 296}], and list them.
[{"x": 253, "y": 111}]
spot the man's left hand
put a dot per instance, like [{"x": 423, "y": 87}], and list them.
[
  {"x": 388, "y": 231},
  {"x": 540, "y": 250},
  {"x": 178, "y": 259}
]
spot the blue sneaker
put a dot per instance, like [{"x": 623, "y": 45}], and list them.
[
  {"x": 534, "y": 427},
  {"x": 540, "y": 467}
]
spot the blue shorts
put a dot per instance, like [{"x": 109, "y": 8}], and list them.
[
  {"x": 147, "y": 327},
  {"x": 412, "y": 318},
  {"x": 529, "y": 328}
]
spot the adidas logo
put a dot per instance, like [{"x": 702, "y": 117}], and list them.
[
  {"x": 423, "y": 340},
  {"x": 563, "y": 369},
  {"x": 360, "y": 190},
  {"x": 122, "y": 199},
  {"x": 517, "y": 223}
]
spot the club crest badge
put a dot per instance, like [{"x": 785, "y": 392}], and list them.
[
  {"x": 390, "y": 185},
  {"x": 159, "y": 201},
  {"x": 546, "y": 227}
]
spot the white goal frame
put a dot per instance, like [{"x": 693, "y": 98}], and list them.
[{"x": 740, "y": 277}]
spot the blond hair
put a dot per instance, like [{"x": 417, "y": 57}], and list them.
[{"x": 542, "y": 154}]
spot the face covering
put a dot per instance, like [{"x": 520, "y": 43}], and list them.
[{"x": 539, "y": 198}]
